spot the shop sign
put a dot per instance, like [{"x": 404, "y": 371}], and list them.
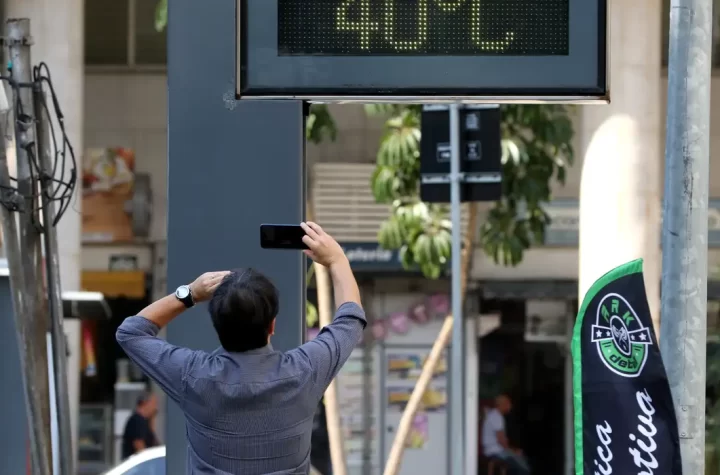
[
  {"x": 370, "y": 256},
  {"x": 107, "y": 185}
]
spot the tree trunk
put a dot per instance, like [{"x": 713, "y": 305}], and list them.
[
  {"x": 325, "y": 311},
  {"x": 398, "y": 448},
  {"x": 332, "y": 413}
]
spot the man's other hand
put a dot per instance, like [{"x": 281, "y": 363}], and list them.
[
  {"x": 323, "y": 248},
  {"x": 204, "y": 286}
]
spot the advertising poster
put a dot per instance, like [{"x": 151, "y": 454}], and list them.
[
  {"x": 419, "y": 432},
  {"x": 107, "y": 185},
  {"x": 409, "y": 365},
  {"x": 426, "y": 444},
  {"x": 403, "y": 369}
]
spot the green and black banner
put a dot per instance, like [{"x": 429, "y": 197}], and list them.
[{"x": 624, "y": 418}]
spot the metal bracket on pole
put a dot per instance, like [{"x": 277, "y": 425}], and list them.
[{"x": 687, "y": 421}]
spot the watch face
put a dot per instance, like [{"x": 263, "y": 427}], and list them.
[{"x": 182, "y": 292}]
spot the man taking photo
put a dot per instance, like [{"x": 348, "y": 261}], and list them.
[{"x": 248, "y": 408}]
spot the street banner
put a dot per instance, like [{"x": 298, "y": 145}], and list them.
[{"x": 624, "y": 418}]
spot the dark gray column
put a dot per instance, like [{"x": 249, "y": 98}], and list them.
[
  {"x": 232, "y": 166},
  {"x": 14, "y": 436}
]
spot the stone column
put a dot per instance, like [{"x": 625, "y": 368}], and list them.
[
  {"x": 57, "y": 28},
  {"x": 620, "y": 191}
]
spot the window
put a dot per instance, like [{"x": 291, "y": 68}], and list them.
[
  {"x": 715, "y": 33},
  {"x": 122, "y": 33},
  {"x": 154, "y": 466}
]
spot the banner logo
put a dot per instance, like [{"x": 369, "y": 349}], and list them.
[{"x": 621, "y": 338}]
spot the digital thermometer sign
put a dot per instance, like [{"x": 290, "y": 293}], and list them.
[
  {"x": 423, "y": 50},
  {"x": 423, "y": 27}
]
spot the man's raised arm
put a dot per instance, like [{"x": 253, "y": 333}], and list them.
[
  {"x": 158, "y": 359},
  {"x": 332, "y": 347}
]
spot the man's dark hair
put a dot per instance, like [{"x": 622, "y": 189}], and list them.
[{"x": 242, "y": 309}]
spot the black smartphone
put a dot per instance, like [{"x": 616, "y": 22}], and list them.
[{"x": 282, "y": 236}]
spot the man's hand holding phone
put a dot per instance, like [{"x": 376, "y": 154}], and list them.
[
  {"x": 326, "y": 251},
  {"x": 322, "y": 248}
]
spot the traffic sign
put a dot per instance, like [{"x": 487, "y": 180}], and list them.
[
  {"x": 480, "y": 151},
  {"x": 422, "y": 50}
]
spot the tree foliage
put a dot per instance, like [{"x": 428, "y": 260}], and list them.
[
  {"x": 536, "y": 148},
  {"x": 161, "y": 15},
  {"x": 320, "y": 125}
]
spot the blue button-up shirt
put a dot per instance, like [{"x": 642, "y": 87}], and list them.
[{"x": 252, "y": 412}]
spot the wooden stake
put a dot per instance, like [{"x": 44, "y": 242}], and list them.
[
  {"x": 332, "y": 412},
  {"x": 334, "y": 428}
]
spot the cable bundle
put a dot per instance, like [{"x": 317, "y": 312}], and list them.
[{"x": 56, "y": 184}]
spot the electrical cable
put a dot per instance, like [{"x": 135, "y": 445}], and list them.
[{"x": 57, "y": 184}]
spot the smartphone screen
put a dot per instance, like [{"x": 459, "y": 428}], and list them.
[{"x": 282, "y": 236}]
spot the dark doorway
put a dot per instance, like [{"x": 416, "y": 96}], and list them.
[{"x": 532, "y": 374}]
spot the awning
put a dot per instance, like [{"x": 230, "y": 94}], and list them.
[{"x": 85, "y": 306}]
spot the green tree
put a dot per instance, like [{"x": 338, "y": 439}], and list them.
[{"x": 536, "y": 148}]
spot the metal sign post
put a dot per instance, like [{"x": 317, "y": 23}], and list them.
[
  {"x": 457, "y": 428},
  {"x": 460, "y": 161}
]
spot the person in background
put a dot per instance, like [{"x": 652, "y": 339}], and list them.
[
  {"x": 139, "y": 434},
  {"x": 496, "y": 445},
  {"x": 248, "y": 408}
]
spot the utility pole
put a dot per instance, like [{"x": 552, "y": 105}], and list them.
[
  {"x": 26, "y": 263},
  {"x": 39, "y": 438},
  {"x": 685, "y": 223}
]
